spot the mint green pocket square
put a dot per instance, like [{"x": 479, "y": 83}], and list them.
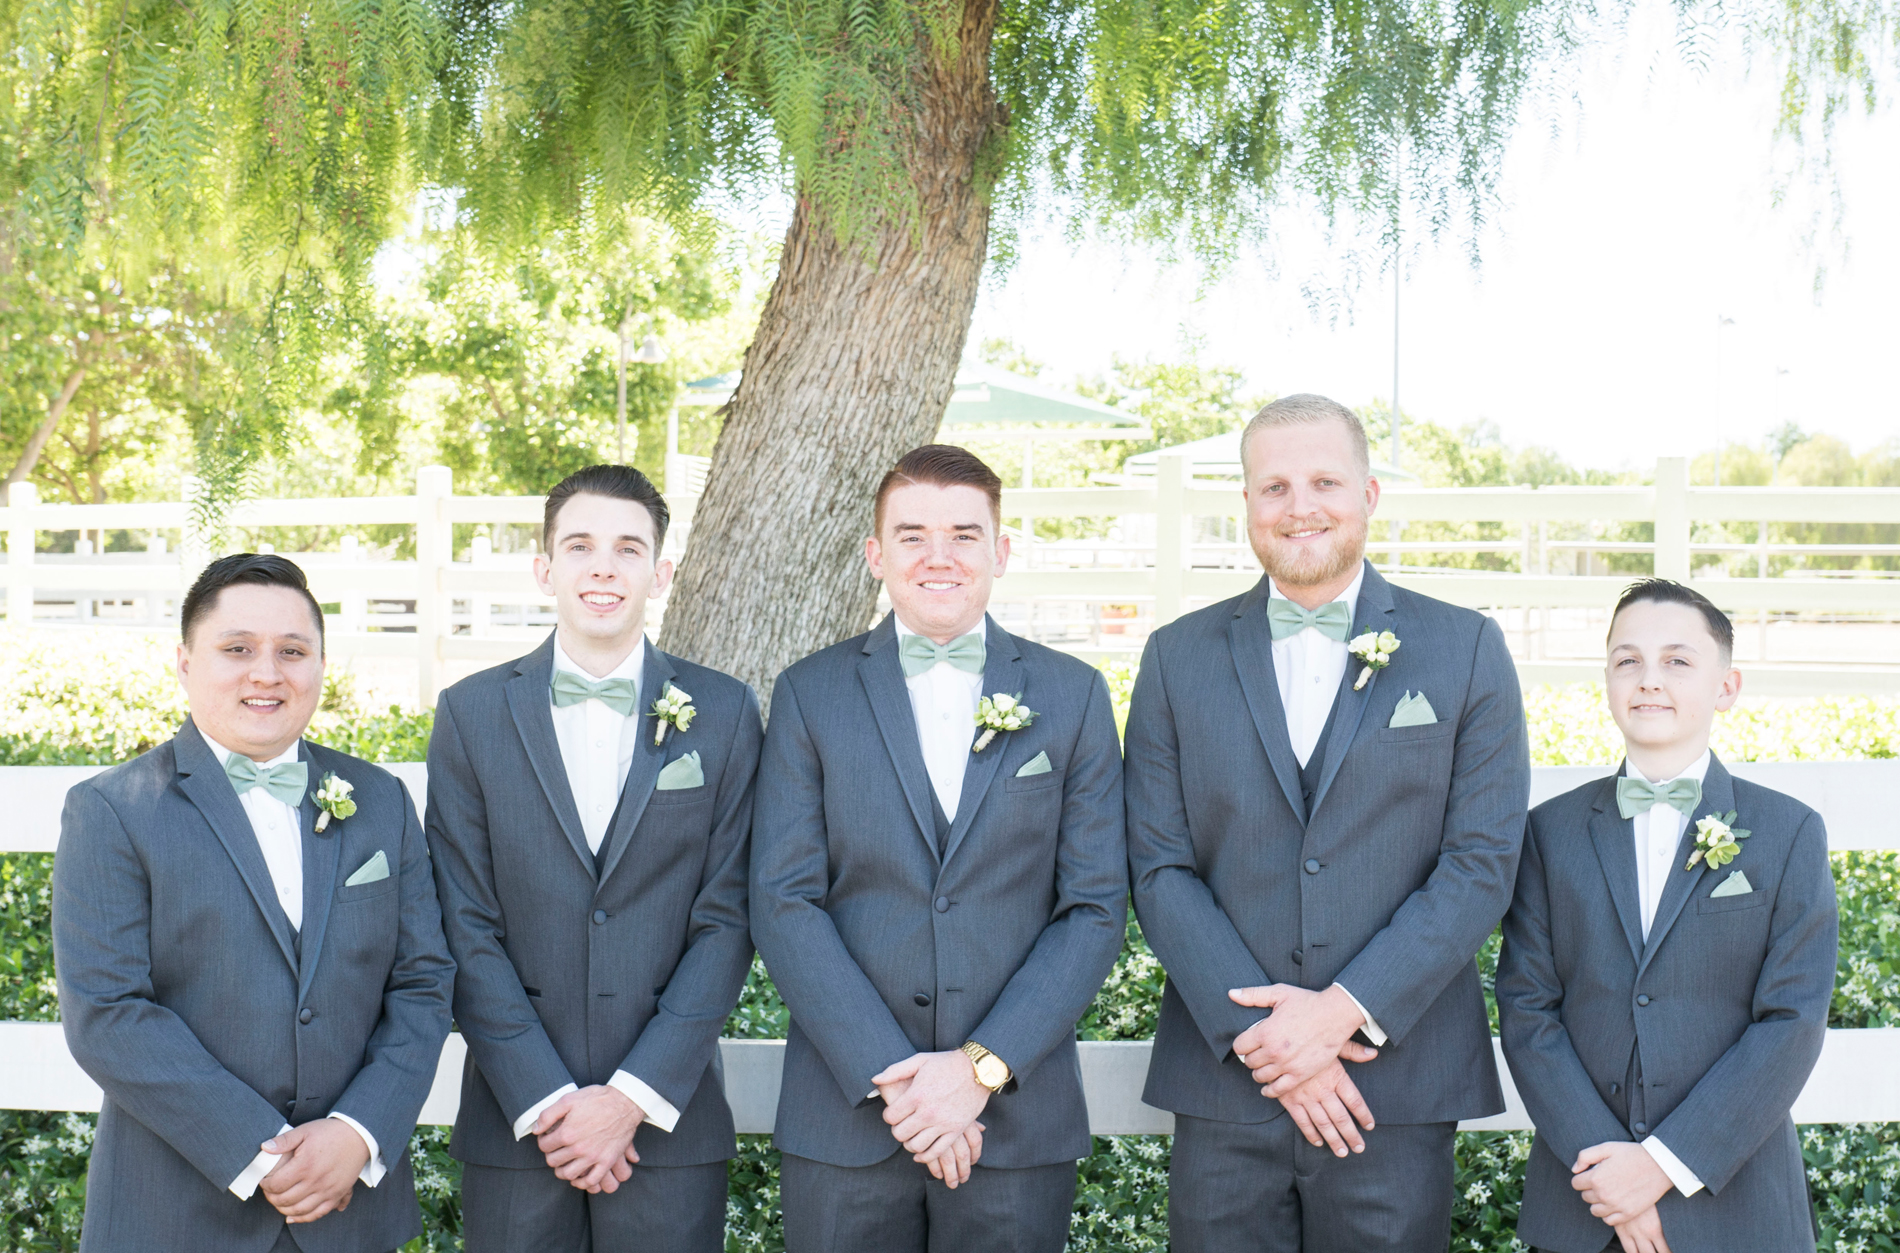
[
  {"x": 1413, "y": 711},
  {"x": 1736, "y": 884},
  {"x": 370, "y": 871},
  {"x": 1039, "y": 764},
  {"x": 681, "y": 772}
]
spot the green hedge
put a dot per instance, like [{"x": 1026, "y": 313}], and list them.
[{"x": 108, "y": 698}]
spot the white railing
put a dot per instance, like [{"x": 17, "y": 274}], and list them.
[
  {"x": 1157, "y": 569},
  {"x": 1856, "y": 1080}
]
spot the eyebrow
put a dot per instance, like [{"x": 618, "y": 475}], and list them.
[
  {"x": 960, "y": 526},
  {"x": 237, "y": 633},
  {"x": 571, "y": 535}
]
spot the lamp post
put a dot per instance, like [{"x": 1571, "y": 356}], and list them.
[
  {"x": 652, "y": 352},
  {"x": 1721, "y": 322}
]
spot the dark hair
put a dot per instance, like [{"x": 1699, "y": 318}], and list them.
[
  {"x": 617, "y": 482},
  {"x": 264, "y": 569},
  {"x": 1670, "y": 592},
  {"x": 940, "y": 465}
]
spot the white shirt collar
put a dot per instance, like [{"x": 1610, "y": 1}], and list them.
[
  {"x": 627, "y": 669},
  {"x": 982, "y": 627},
  {"x": 1698, "y": 771},
  {"x": 1350, "y": 595},
  {"x": 225, "y": 755}
]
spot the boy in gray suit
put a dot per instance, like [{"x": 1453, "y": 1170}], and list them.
[
  {"x": 1667, "y": 966},
  {"x": 250, "y": 956},
  {"x": 1327, "y": 780},
  {"x": 938, "y": 889},
  {"x": 589, "y": 809}
]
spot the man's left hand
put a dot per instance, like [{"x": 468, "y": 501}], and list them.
[
  {"x": 943, "y": 1098},
  {"x": 1619, "y": 1180},
  {"x": 317, "y": 1172},
  {"x": 587, "y": 1137},
  {"x": 1305, "y": 1033}
]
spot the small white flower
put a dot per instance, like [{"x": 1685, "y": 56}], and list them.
[
  {"x": 333, "y": 798},
  {"x": 1375, "y": 649},
  {"x": 1000, "y": 712},
  {"x": 674, "y": 709}
]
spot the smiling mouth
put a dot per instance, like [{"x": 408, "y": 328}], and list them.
[
  {"x": 261, "y": 702},
  {"x": 934, "y": 586},
  {"x": 1307, "y": 534},
  {"x": 601, "y": 600},
  {"x": 1652, "y": 709}
]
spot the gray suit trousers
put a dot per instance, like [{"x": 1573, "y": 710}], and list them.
[
  {"x": 896, "y": 1206},
  {"x": 661, "y": 1209},
  {"x": 1237, "y": 1187}
]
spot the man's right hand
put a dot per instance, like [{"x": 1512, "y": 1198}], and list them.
[
  {"x": 1325, "y": 1108},
  {"x": 1643, "y": 1233},
  {"x": 951, "y": 1158}
]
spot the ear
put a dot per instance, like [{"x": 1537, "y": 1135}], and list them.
[
  {"x": 544, "y": 574},
  {"x": 874, "y": 556},
  {"x": 662, "y": 578},
  {"x": 1372, "y": 495},
  {"x": 1731, "y": 690},
  {"x": 1002, "y": 552}
]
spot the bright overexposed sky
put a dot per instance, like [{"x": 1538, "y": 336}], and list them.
[{"x": 1631, "y": 217}]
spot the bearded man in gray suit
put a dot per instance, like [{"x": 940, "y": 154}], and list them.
[
  {"x": 1327, "y": 780},
  {"x": 250, "y": 956},
  {"x": 589, "y": 809},
  {"x": 938, "y": 889}
]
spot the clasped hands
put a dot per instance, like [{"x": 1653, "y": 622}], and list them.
[
  {"x": 1295, "y": 1054},
  {"x": 1622, "y": 1184},
  {"x": 931, "y": 1102},
  {"x": 587, "y": 1137},
  {"x": 316, "y": 1169}
]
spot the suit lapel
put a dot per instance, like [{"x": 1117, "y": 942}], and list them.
[
  {"x": 1718, "y": 797},
  {"x": 1374, "y": 612},
  {"x": 319, "y": 873},
  {"x": 202, "y": 780},
  {"x": 1615, "y": 840},
  {"x": 1250, "y": 636},
  {"x": 1002, "y": 672},
  {"x": 648, "y": 758},
  {"x": 883, "y": 678},
  {"x": 533, "y": 712}
]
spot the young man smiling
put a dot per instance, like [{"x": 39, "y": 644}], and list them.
[
  {"x": 262, "y": 998},
  {"x": 937, "y": 900},
  {"x": 1327, "y": 780},
  {"x": 589, "y": 810},
  {"x": 1667, "y": 967}
]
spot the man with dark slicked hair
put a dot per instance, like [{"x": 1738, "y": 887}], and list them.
[{"x": 250, "y": 956}]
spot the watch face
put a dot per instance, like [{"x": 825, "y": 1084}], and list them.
[{"x": 991, "y": 1072}]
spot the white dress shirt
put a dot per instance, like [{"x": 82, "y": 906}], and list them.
[
  {"x": 597, "y": 746},
  {"x": 279, "y": 831},
  {"x": 943, "y": 702},
  {"x": 1309, "y": 666},
  {"x": 1658, "y": 834}
]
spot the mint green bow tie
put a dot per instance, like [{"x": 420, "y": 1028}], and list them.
[
  {"x": 919, "y": 653},
  {"x": 619, "y": 695},
  {"x": 1334, "y": 618},
  {"x": 285, "y": 781},
  {"x": 1639, "y": 796}
]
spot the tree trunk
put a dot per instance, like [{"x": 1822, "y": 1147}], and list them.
[
  {"x": 851, "y": 367},
  {"x": 30, "y": 457}
]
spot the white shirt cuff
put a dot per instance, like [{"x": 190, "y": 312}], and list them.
[
  {"x": 658, "y": 1110},
  {"x": 525, "y": 1123},
  {"x": 373, "y": 1169},
  {"x": 1371, "y": 1028},
  {"x": 1680, "y": 1175},
  {"x": 246, "y": 1183}
]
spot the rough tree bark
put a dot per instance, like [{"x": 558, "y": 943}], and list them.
[{"x": 852, "y": 365}]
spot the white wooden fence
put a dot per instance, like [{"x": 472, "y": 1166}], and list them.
[
  {"x": 1159, "y": 562},
  {"x": 1856, "y": 1080}
]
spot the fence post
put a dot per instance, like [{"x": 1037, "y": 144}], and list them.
[
  {"x": 1172, "y": 530},
  {"x": 434, "y": 550},
  {"x": 1672, "y": 518},
  {"x": 21, "y": 499}
]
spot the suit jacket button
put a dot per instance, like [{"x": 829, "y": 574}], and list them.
[
  {"x": 304, "y": 1016},
  {"x": 1614, "y": 1089},
  {"x": 1640, "y": 1128},
  {"x": 943, "y": 904},
  {"x": 923, "y": 1000},
  {"x": 1312, "y": 865},
  {"x": 1643, "y": 999},
  {"x": 600, "y": 916},
  {"x": 1299, "y": 958}
]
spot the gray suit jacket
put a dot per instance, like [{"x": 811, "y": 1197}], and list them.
[
  {"x": 1390, "y": 888},
  {"x": 210, "y": 1024},
  {"x": 566, "y": 975},
  {"x": 882, "y": 949},
  {"x": 1715, "y": 1022}
]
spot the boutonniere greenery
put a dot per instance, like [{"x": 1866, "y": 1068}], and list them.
[
  {"x": 1001, "y": 712},
  {"x": 675, "y": 709},
  {"x": 1375, "y": 648},
  {"x": 1716, "y": 839},
  {"x": 333, "y": 799}
]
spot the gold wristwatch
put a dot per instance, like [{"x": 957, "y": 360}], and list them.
[{"x": 991, "y": 1071}]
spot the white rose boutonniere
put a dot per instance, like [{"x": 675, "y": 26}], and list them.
[
  {"x": 1001, "y": 712},
  {"x": 1375, "y": 649},
  {"x": 675, "y": 709},
  {"x": 333, "y": 799},
  {"x": 1717, "y": 840}
]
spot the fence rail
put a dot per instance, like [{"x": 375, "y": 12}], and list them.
[{"x": 410, "y": 608}]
